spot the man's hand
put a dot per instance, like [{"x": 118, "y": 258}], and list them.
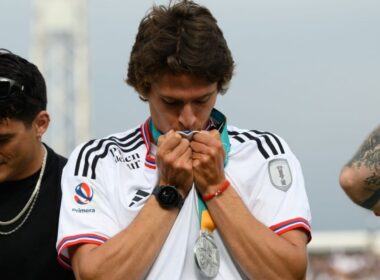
[
  {"x": 174, "y": 162},
  {"x": 208, "y": 161}
]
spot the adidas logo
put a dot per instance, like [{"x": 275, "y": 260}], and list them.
[{"x": 138, "y": 196}]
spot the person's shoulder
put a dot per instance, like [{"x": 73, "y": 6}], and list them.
[
  {"x": 99, "y": 144},
  {"x": 268, "y": 144},
  {"x": 88, "y": 156},
  {"x": 61, "y": 160}
]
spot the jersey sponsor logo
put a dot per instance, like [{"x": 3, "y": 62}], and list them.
[
  {"x": 139, "y": 195},
  {"x": 116, "y": 153},
  {"x": 81, "y": 210},
  {"x": 280, "y": 174},
  {"x": 132, "y": 161},
  {"x": 83, "y": 194}
]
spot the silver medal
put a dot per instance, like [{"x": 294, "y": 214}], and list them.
[
  {"x": 188, "y": 134},
  {"x": 207, "y": 255}
]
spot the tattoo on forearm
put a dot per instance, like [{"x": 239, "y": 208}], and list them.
[
  {"x": 369, "y": 154},
  {"x": 373, "y": 180}
]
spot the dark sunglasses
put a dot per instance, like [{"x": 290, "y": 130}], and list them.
[{"x": 8, "y": 87}]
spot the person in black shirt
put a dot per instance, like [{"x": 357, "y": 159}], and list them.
[{"x": 30, "y": 172}]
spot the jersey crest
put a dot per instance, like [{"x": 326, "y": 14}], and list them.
[{"x": 280, "y": 174}]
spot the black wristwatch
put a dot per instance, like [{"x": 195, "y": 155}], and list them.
[{"x": 168, "y": 196}]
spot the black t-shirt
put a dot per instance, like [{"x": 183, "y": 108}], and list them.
[{"x": 29, "y": 252}]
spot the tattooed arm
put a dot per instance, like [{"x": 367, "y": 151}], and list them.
[{"x": 360, "y": 178}]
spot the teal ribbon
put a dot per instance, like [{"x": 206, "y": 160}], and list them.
[
  {"x": 220, "y": 123},
  {"x": 154, "y": 131},
  {"x": 218, "y": 118},
  {"x": 201, "y": 207}
]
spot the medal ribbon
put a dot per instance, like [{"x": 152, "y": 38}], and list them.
[
  {"x": 205, "y": 219},
  {"x": 218, "y": 121},
  {"x": 154, "y": 131}
]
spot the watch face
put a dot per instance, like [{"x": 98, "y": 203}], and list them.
[{"x": 168, "y": 196}]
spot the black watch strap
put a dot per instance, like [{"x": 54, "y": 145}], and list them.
[{"x": 168, "y": 197}]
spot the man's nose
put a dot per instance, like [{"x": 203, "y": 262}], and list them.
[{"x": 187, "y": 117}]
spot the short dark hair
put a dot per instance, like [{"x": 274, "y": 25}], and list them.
[
  {"x": 33, "y": 100},
  {"x": 183, "y": 38}
]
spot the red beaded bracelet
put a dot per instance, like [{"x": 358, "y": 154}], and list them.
[{"x": 222, "y": 188}]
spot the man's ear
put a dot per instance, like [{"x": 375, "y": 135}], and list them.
[{"x": 41, "y": 123}]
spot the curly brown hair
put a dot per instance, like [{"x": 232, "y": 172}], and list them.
[{"x": 182, "y": 38}]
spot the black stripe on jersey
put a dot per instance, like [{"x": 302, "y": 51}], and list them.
[
  {"x": 275, "y": 138},
  {"x": 106, "y": 150},
  {"x": 235, "y": 135},
  {"x": 86, "y": 154},
  {"x": 259, "y": 144},
  {"x": 113, "y": 139},
  {"x": 79, "y": 158},
  {"x": 240, "y": 136},
  {"x": 96, "y": 148},
  {"x": 270, "y": 144}
]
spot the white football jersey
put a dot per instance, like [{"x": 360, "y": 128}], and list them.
[{"x": 106, "y": 182}]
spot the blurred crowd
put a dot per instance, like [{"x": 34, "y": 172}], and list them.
[{"x": 344, "y": 266}]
